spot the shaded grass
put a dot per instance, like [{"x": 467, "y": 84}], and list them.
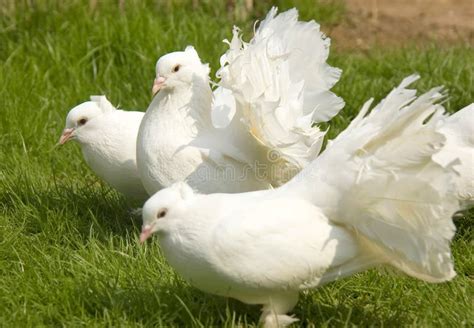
[{"x": 69, "y": 252}]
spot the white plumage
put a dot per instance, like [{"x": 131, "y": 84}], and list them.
[
  {"x": 107, "y": 137},
  {"x": 458, "y": 130},
  {"x": 255, "y": 131},
  {"x": 375, "y": 196},
  {"x": 281, "y": 83},
  {"x": 391, "y": 190}
]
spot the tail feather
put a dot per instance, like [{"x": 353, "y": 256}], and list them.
[
  {"x": 386, "y": 186},
  {"x": 281, "y": 81}
]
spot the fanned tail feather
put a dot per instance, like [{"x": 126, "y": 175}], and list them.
[
  {"x": 388, "y": 188},
  {"x": 281, "y": 81}
]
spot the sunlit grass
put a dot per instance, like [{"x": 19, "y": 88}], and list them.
[{"x": 69, "y": 252}]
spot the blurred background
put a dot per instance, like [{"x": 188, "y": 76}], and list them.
[{"x": 351, "y": 23}]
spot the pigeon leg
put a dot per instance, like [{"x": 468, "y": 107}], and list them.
[{"x": 274, "y": 313}]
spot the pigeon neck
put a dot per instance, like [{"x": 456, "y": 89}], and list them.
[{"x": 188, "y": 106}]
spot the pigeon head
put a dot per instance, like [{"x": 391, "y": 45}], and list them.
[
  {"x": 81, "y": 121},
  {"x": 179, "y": 69},
  {"x": 164, "y": 209}
]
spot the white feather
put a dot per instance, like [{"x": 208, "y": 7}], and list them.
[
  {"x": 458, "y": 129},
  {"x": 391, "y": 190},
  {"x": 281, "y": 83},
  {"x": 375, "y": 196}
]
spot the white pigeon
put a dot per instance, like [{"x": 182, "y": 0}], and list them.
[
  {"x": 256, "y": 130},
  {"x": 108, "y": 138},
  {"x": 374, "y": 197}
]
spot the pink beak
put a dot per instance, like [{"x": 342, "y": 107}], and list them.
[
  {"x": 157, "y": 85},
  {"x": 67, "y": 134},
  {"x": 146, "y": 233}
]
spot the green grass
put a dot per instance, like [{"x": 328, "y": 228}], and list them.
[{"x": 69, "y": 251}]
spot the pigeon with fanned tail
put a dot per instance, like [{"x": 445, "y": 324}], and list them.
[
  {"x": 375, "y": 197},
  {"x": 108, "y": 138},
  {"x": 255, "y": 131}
]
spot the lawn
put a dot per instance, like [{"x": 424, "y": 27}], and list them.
[{"x": 69, "y": 251}]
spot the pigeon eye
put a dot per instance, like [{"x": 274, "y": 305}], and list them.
[
  {"x": 82, "y": 121},
  {"x": 176, "y": 68},
  {"x": 161, "y": 213}
]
